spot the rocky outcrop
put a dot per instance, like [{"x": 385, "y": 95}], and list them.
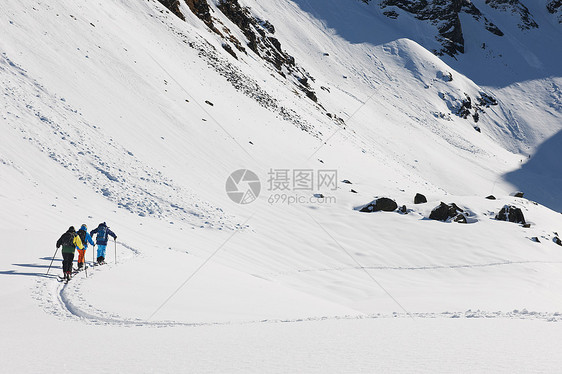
[
  {"x": 381, "y": 204},
  {"x": 202, "y": 10},
  {"x": 511, "y": 213},
  {"x": 174, "y": 7},
  {"x": 514, "y": 6},
  {"x": 445, "y": 16},
  {"x": 555, "y": 7},
  {"x": 466, "y": 107},
  {"x": 259, "y": 35},
  {"x": 262, "y": 42}
]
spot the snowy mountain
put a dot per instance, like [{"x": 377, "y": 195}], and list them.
[{"x": 238, "y": 149}]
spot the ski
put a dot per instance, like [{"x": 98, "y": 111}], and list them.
[
  {"x": 77, "y": 270},
  {"x": 62, "y": 279}
]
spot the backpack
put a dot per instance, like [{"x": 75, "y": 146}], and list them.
[
  {"x": 102, "y": 234},
  {"x": 68, "y": 240},
  {"x": 82, "y": 235}
]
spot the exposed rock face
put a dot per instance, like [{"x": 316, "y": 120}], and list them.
[
  {"x": 419, "y": 199},
  {"x": 491, "y": 197},
  {"x": 445, "y": 15},
  {"x": 467, "y": 108},
  {"x": 557, "y": 240},
  {"x": 443, "y": 212},
  {"x": 259, "y": 35},
  {"x": 385, "y": 204},
  {"x": 201, "y": 9},
  {"x": 555, "y": 7},
  {"x": 174, "y": 7},
  {"x": 511, "y": 213},
  {"x": 262, "y": 42},
  {"x": 515, "y": 6}
]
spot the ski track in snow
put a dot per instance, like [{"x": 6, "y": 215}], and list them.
[
  {"x": 66, "y": 301},
  {"x": 411, "y": 268}
]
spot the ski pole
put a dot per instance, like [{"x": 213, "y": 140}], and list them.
[
  {"x": 56, "y": 250},
  {"x": 85, "y": 263},
  {"x": 115, "y": 241}
]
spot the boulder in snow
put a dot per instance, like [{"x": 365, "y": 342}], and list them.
[
  {"x": 444, "y": 211},
  {"x": 384, "y": 203},
  {"x": 419, "y": 199},
  {"x": 511, "y": 213}
]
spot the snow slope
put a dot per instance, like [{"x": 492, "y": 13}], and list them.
[{"x": 104, "y": 119}]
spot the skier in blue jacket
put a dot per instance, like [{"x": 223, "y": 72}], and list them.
[{"x": 102, "y": 232}]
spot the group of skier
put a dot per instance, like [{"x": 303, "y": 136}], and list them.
[{"x": 72, "y": 240}]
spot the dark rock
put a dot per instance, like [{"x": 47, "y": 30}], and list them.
[
  {"x": 518, "y": 194},
  {"x": 202, "y": 10},
  {"x": 352, "y": 190},
  {"x": 464, "y": 110},
  {"x": 403, "y": 209},
  {"x": 445, "y": 16},
  {"x": 460, "y": 218},
  {"x": 174, "y": 7},
  {"x": 260, "y": 40},
  {"x": 229, "y": 49},
  {"x": 491, "y": 197},
  {"x": 209, "y": 103},
  {"x": 419, "y": 199},
  {"x": 318, "y": 195},
  {"x": 535, "y": 239},
  {"x": 385, "y": 204},
  {"x": 555, "y": 7},
  {"x": 390, "y": 14},
  {"x": 511, "y": 213},
  {"x": 443, "y": 212},
  {"x": 486, "y": 100},
  {"x": 447, "y": 77},
  {"x": 526, "y": 226},
  {"x": 346, "y": 181},
  {"x": 557, "y": 240},
  {"x": 515, "y": 7}
]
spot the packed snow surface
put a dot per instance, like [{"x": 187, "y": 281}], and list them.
[{"x": 120, "y": 112}]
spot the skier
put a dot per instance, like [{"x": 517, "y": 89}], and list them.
[
  {"x": 85, "y": 238},
  {"x": 69, "y": 241},
  {"x": 102, "y": 232}
]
